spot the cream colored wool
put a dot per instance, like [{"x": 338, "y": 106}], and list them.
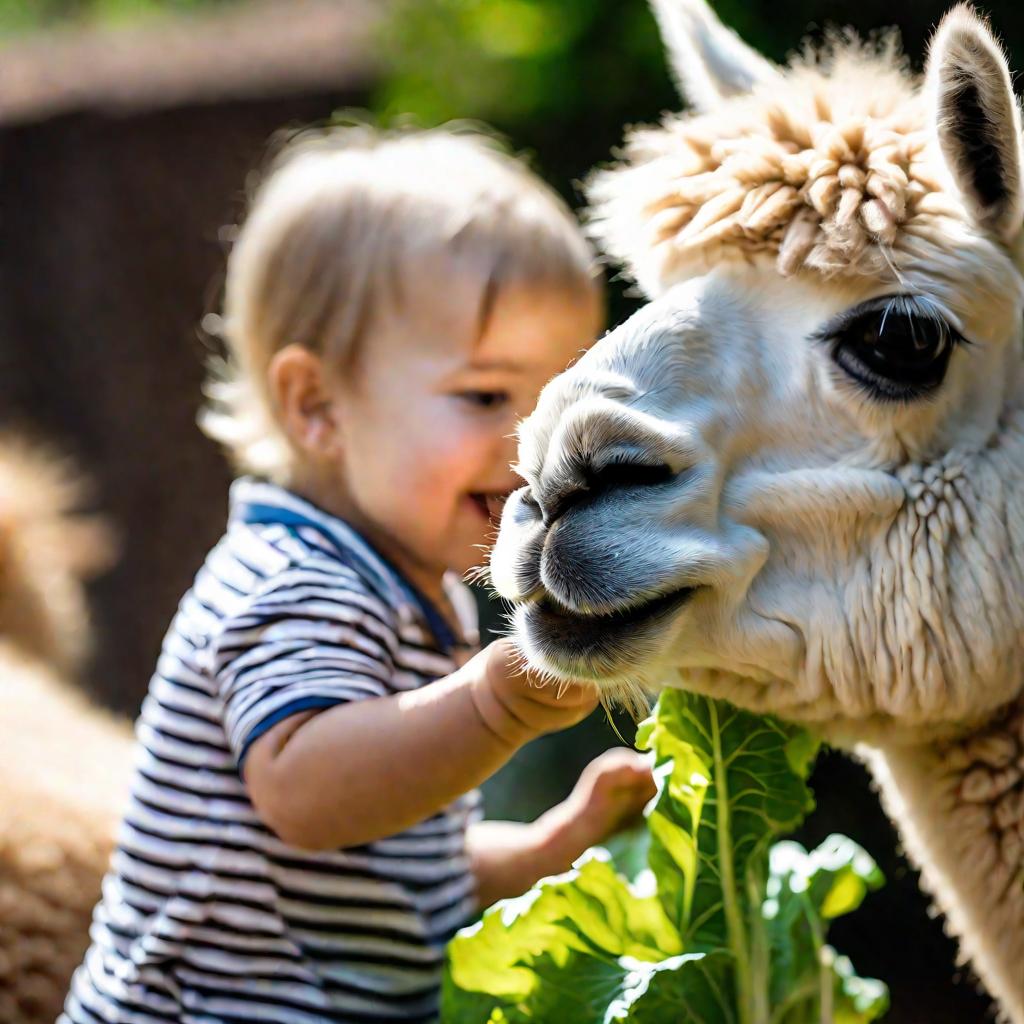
[
  {"x": 854, "y": 564},
  {"x": 64, "y": 765},
  {"x": 46, "y": 550},
  {"x": 824, "y": 168}
]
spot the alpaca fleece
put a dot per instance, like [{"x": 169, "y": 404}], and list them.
[
  {"x": 831, "y": 168},
  {"x": 64, "y": 765}
]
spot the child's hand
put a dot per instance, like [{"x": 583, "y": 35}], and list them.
[
  {"x": 516, "y": 704},
  {"x": 508, "y": 857},
  {"x": 609, "y": 796}
]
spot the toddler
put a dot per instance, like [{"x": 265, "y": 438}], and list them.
[{"x": 303, "y": 834}]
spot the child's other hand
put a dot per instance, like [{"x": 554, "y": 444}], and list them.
[
  {"x": 508, "y": 857},
  {"x": 517, "y": 704},
  {"x": 610, "y": 794}
]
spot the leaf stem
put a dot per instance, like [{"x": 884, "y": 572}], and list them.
[
  {"x": 730, "y": 903},
  {"x": 826, "y": 1010}
]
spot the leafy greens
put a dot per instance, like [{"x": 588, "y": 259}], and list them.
[{"x": 721, "y": 927}]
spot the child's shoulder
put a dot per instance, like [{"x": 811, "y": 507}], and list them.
[
  {"x": 284, "y": 565},
  {"x": 260, "y": 571},
  {"x": 263, "y": 589},
  {"x": 275, "y": 562}
]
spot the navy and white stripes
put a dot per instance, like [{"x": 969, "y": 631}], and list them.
[{"x": 206, "y": 915}]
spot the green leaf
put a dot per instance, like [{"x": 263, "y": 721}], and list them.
[
  {"x": 587, "y": 987},
  {"x": 803, "y": 892},
  {"x": 728, "y": 784},
  {"x": 856, "y": 1000},
  {"x": 590, "y": 910},
  {"x": 694, "y": 988},
  {"x": 714, "y": 931},
  {"x": 836, "y": 876},
  {"x": 578, "y": 986}
]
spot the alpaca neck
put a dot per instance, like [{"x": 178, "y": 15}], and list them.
[{"x": 959, "y": 805}]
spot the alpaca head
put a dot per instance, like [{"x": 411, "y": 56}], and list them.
[
  {"x": 47, "y": 551},
  {"x": 793, "y": 479}
]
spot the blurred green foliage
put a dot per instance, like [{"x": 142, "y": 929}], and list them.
[
  {"x": 557, "y": 77},
  {"x": 27, "y": 15},
  {"x": 546, "y": 72},
  {"x": 560, "y": 78}
]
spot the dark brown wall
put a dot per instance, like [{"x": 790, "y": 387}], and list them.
[{"x": 109, "y": 257}]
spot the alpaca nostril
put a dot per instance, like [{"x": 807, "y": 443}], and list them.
[
  {"x": 553, "y": 510},
  {"x": 596, "y": 480},
  {"x": 621, "y": 474}
]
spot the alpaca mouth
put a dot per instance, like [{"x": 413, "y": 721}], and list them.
[{"x": 597, "y": 645}]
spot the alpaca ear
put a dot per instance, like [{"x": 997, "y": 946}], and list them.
[
  {"x": 977, "y": 120},
  {"x": 710, "y": 62}
]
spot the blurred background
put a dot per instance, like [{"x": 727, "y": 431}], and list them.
[{"x": 128, "y": 129}]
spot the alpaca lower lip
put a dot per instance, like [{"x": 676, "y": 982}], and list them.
[{"x": 598, "y": 639}]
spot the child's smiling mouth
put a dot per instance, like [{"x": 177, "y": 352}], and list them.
[{"x": 490, "y": 503}]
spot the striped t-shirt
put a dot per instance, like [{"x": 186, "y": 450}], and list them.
[{"x": 206, "y": 916}]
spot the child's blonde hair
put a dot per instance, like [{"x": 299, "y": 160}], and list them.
[{"x": 347, "y": 214}]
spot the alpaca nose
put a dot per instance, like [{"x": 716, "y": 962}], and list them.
[
  {"x": 595, "y": 475},
  {"x": 600, "y": 447}
]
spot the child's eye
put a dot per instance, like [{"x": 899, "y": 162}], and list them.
[{"x": 484, "y": 399}]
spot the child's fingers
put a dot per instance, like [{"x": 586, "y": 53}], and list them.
[
  {"x": 504, "y": 664},
  {"x": 619, "y": 764},
  {"x": 641, "y": 788},
  {"x": 523, "y": 698},
  {"x": 568, "y": 695},
  {"x": 500, "y": 660},
  {"x": 620, "y": 775}
]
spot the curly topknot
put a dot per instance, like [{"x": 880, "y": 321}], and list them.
[{"x": 828, "y": 168}]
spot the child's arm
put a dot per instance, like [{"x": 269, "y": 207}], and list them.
[
  {"x": 507, "y": 857},
  {"x": 364, "y": 770}
]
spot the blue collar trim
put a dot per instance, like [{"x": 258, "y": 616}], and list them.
[{"x": 260, "y": 513}]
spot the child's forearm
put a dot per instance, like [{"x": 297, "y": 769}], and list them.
[
  {"x": 358, "y": 772},
  {"x": 507, "y": 857}
]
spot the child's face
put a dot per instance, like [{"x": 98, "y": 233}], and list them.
[{"x": 425, "y": 426}]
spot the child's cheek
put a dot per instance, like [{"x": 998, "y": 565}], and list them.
[
  {"x": 464, "y": 448},
  {"x": 453, "y": 452},
  {"x": 437, "y": 468}
]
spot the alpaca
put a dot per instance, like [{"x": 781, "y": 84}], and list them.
[
  {"x": 64, "y": 766},
  {"x": 794, "y": 479}
]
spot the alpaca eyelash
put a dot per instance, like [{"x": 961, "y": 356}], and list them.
[
  {"x": 877, "y": 370},
  {"x": 913, "y": 306}
]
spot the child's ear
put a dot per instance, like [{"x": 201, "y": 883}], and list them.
[{"x": 298, "y": 388}]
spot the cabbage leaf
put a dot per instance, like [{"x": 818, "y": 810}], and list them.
[{"x": 721, "y": 927}]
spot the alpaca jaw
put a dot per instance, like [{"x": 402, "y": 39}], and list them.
[{"x": 595, "y": 631}]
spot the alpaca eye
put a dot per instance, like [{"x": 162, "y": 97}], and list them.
[{"x": 895, "y": 349}]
